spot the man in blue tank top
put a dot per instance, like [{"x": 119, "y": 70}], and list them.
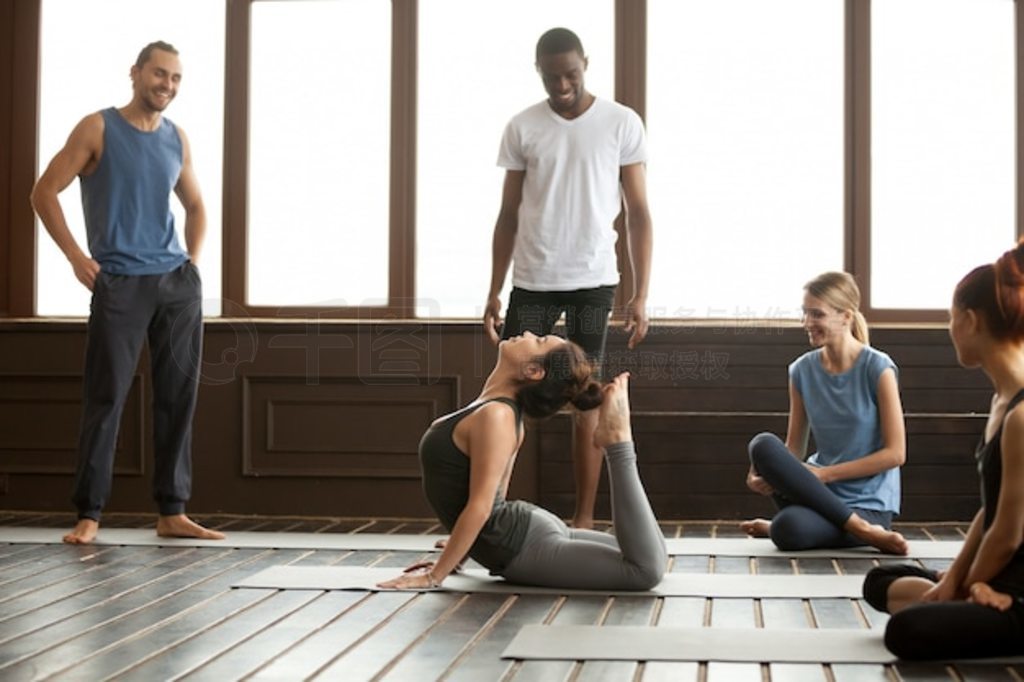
[{"x": 144, "y": 285}]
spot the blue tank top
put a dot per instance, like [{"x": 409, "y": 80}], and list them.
[
  {"x": 126, "y": 200},
  {"x": 842, "y": 410}
]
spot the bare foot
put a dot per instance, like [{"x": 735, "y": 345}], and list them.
[
  {"x": 984, "y": 594},
  {"x": 181, "y": 526},
  {"x": 613, "y": 416},
  {"x": 889, "y": 541},
  {"x": 757, "y": 528},
  {"x": 83, "y": 533}
]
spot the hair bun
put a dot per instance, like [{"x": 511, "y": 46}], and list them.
[
  {"x": 588, "y": 397},
  {"x": 1009, "y": 272}
]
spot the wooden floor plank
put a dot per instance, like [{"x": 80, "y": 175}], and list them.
[
  {"x": 46, "y": 612},
  {"x": 277, "y": 639},
  {"x": 188, "y": 646},
  {"x": 56, "y": 623},
  {"x": 784, "y": 613},
  {"x": 67, "y": 580},
  {"x": 442, "y": 644},
  {"x": 14, "y": 575},
  {"x": 483, "y": 659},
  {"x": 327, "y": 644},
  {"x": 773, "y": 565},
  {"x": 836, "y": 613},
  {"x": 388, "y": 641},
  {"x": 150, "y": 617},
  {"x": 164, "y": 629}
]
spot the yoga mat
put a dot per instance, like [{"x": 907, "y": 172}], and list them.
[
  {"x": 750, "y": 547},
  {"x": 476, "y": 580},
  {"x": 242, "y": 539},
  {"x": 748, "y": 645},
  {"x": 652, "y": 643},
  {"x": 759, "y": 547}
]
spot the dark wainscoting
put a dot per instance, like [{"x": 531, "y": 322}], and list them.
[{"x": 323, "y": 418}]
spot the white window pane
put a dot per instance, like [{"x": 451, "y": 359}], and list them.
[
  {"x": 745, "y": 132},
  {"x": 320, "y": 87},
  {"x": 476, "y": 71},
  {"x": 942, "y": 138},
  {"x": 78, "y": 78}
]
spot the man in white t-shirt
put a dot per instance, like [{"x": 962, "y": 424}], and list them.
[{"x": 572, "y": 162}]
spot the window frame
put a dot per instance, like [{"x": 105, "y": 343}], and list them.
[{"x": 19, "y": 65}]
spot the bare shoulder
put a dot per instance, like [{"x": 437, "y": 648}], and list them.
[
  {"x": 89, "y": 130},
  {"x": 495, "y": 414},
  {"x": 1013, "y": 427}
]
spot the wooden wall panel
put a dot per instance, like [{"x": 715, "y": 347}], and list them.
[
  {"x": 39, "y": 421},
  {"x": 339, "y": 427},
  {"x": 323, "y": 418}
]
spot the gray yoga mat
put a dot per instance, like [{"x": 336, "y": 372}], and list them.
[
  {"x": 652, "y": 643},
  {"x": 763, "y": 547},
  {"x": 476, "y": 580},
  {"x": 750, "y": 547},
  {"x": 242, "y": 539},
  {"x": 750, "y": 645}
]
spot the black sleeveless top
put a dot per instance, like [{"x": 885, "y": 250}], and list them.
[
  {"x": 990, "y": 468},
  {"x": 446, "y": 485}
]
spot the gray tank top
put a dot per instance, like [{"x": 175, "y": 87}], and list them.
[{"x": 446, "y": 485}]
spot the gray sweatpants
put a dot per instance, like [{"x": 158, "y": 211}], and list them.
[{"x": 635, "y": 558}]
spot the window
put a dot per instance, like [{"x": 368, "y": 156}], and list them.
[
  {"x": 943, "y": 145},
  {"x": 319, "y": 113},
  {"x": 476, "y": 70},
  {"x": 79, "y": 76},
  {"x": 745, "y": 132}
]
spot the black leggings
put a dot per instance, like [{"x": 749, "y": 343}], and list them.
[
  {"x": 944, "y": 630},
  {"x": 810, "y": 515}
]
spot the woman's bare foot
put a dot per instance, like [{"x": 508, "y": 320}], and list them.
[
  {"x": 83, "y": 533},
  {"x": 984, "y": 594},
  {"x": 889, "y": 541},
  {"x": 613, "y": 416},
  {"x": 757, "y": 528},
  {"x": 181, "y": 526}
]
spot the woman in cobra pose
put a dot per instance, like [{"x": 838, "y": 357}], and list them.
[
  {"x": 976, "y": 607},
  {"x": 467, "y": 459},
  {"x": 845, "y": 393}
]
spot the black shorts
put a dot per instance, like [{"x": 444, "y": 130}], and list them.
[{"x": 586, "y": 315}]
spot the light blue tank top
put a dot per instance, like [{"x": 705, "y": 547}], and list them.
[
  {"x": 126, "y": 200},
  {"x": 842, "y": 410}
]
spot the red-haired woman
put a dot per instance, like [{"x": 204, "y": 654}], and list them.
[
  {"x": 975, "y": 608},
  {"x": 467, "y": 459}
]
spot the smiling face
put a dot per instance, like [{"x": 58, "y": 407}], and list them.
[
  {"x": 156, "y": 82},
  {"x": 822, "y": 322},
  {"x": 562, "y": 75}
]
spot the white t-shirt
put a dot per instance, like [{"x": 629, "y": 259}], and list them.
[{"x": 571, "y": 192}]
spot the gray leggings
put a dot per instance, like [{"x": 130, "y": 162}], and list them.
[{"x": 635, "y": 558}]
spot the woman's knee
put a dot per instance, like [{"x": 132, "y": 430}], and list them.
[
  {"x": 647, "y": 576},
  {"x": 909, "y": 635},
  {"x": 789, "y": 533},
  {"x": 763, "y": 442},
  {"x": 876, "y": 587}
]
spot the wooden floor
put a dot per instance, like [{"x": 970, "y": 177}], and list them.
[{"x": 162, "y": 613}]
